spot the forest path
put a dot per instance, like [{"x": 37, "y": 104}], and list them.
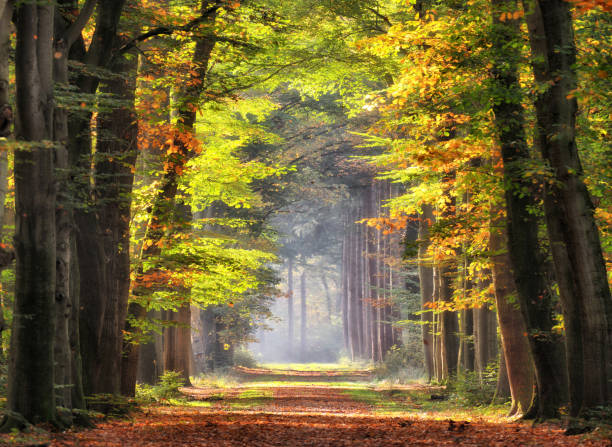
[{"x": 296, "y": 413}]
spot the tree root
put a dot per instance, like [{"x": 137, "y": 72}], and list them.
[{"x": 14, "y": 421}]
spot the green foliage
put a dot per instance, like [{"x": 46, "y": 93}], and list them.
[
  {"x": 167, "y": 388},
  {"x": 470, "y": 388},
  {"x": 244, "y": 357},
  {"x": 401, "y": 364}
]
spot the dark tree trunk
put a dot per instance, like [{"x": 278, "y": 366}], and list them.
[
  {"x": 449, "y": 323},
  {"x": 31, "y": 368},
  {"x": 116, "y": 153},
  {"x": 574, "y": 237},
  {"x": 6, "y": 122},
  {"x": 177, "y": 342},
  {"x": 466, "y": 347},
  {"x": 150, "y": 361},
  {"x": 523, "y": 244},
  {"x": 485, "y": 339}
]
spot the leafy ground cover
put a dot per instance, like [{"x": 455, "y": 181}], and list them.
[{"x": 298, "y": 413}]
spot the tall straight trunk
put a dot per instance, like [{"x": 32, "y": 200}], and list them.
[
  {"x": 485, "y": 339},
  {"x": 515, "y": 345},
  {"x": 523, "y": 244},
  {"x": 449, "y": 323},
  {"x": 164, "y": 202},
  {"x": 371, "y": 290},
  {"x": 177, "y": 341},
  {"x": 90, "y": 249},
  {"x": 574, "y": 237},
  {"x": 6, "y": 122},
  {"x": 303, "y": 316},
  {"x": 466, "y": 346},
  {"x": 359, "y": 286},
  {"x": 68, "y": 378},
  {"x": 345, "y": 286},
  {"x": 290, "y": 316},
  {"x": 116, "y": 153},
  {"x": 328, "y": 301},
  {"x": 151, "y": 362},
  {"x": 352, "y": 292},
  {"x": 380, "y": 348},
  {"x": 31, "y": 367},
  {"x": 426, "y": 287}
]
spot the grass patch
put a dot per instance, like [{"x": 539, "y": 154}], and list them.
[{"x": 394, "y": 401}]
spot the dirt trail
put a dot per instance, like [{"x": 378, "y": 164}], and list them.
[{"x": 302, "y": 416}]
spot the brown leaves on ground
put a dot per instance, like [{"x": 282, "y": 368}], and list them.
[
  {"x": 298, "y": 415},
  {"x": 304, "y": 416}
]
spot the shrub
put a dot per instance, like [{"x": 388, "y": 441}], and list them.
[
  {"x": 400, "y": 364},
  {"x": 470, "y": 388},
  {"x": 244, "y": 357},
  {"x": 167, "y": 387}
]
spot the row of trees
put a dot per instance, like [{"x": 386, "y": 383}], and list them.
[
  {"x": 114, "y": 193},
  {"x": 129, "y": 202},
  {"x": 463, "y": 117}
]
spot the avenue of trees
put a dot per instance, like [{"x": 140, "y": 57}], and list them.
[{"x": 440, "y": 167}]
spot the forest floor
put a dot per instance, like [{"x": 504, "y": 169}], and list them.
[{"x": 312, "y": 408}]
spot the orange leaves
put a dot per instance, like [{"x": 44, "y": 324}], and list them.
[
  {"x": 586, "y": 5},
  {"x": 507, "y": 16}
]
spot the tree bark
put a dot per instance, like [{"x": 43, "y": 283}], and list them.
[
  {"x": 290, "y": 315},
  {"x": 515, "y": 345},
  {"x": 523, "y": 244},
  {"x": 31, "y": 368},
  {"x": 115, "y": 162},
  {"x": 177, "y": 342},
  {"x": 574, "y": 237},
  {"x": 303, "y": 315},
  {"x": 6, "y": 124}
]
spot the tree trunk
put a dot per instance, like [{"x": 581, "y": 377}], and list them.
[
  {"x": 515, "y": 345},
  {"x": 345, "y": 286},
  {"x": 177, "y": 342},
  {"x": 574, "y": 237},
  {"x": 31, "y": 368},
  {"x": 523, "y": 244},
  {"x": 150, "y": 361},
  {"x": 116, "y": 153},
  {"x": 328, "y": 301},
  {"x": 6, "y": 122},
  {"x": 485, "y": 339},
  {"x": 290, "y": 316},
  {"x": 163, "y": 206},
  {"x": 303, "y": 315},
  {"x": 449, "y": 323},
  {"x": 426, "y": 286}
]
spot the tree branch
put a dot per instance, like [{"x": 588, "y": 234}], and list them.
[
  {"x": 74, "y": 30},
  {"x": 379, "y": 15},
  {"x": 166, "y": 31}
]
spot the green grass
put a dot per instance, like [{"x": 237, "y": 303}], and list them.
[
  {"x": 314, "y": 367},
  {"x": 396, "y": 401}
]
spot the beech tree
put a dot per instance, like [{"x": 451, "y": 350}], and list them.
[{"x": 31, "y": 376}]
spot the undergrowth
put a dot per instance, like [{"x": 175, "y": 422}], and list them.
[
  {"x": 167, "y": 388},
  {"x": 401, "y": 365}
]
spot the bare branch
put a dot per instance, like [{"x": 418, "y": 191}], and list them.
[{"x": 73, "y": 32}]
